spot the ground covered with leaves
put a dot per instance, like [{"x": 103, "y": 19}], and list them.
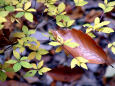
[{"x": 43, "y": 62}]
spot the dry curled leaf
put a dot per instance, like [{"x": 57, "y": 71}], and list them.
[{"x": 87, "y": 46}]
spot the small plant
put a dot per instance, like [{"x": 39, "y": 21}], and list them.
[{"x": 22, "y": 9}]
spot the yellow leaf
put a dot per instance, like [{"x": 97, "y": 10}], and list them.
[
  {"x": 106, "y": 30},
  {"x": 60, "y": 39},
  {"x": 73, "y": 62},
  {"x": 31, "y": 10},
  {"x": 97, "y": 20},
  {"x": 40, "y": 64},
  {"x": 91, "y": 35},
  {"x": 19, "y": 34},
  {"x": 16, "y": 54},
  {"x": 34, "y": 65},
  {"x": 58, "y": 49},
  {"x": 109, "y": 45},
  {"x": 27, "y": 5},
  {"x": 19, "y": 9},
  {"x": 32, "y": 55},
  {"x": 81, "y": 59},
  {"x": 83, "y": 65},
  {"x": 113, "y": 49},
  {"x": 105, "y": 1},
  {"x": 54, "y": 43},
  {"x": 61, "y": 7},
  {"x": 102, "y": 6}
]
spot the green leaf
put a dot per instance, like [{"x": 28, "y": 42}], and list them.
[
  {"x": 73, "y": 62},
  {"x": 81, "y": 59},
  {"x": 3, "y": 13},
  {"x": 16, "y": 54},
  {"x": 11, "y": 61},
  {"x": 31, "y": 32},
  {"x": 43, "y": 70},
  {"x": 9, "y": 69},
  {"x": 26, "y": 64},
  {"x": 40, "y": 64},
  {"x": 18, "y": 34},
  {"x": 9, "y": 8},
  {"x": 19, "y": 14},
  {"x": 106, "y": 30},
  {"x": 42, "y": 51},
  {"x": 72, "y": 44},
  {"x": 38, "y": 56},
  {"x": 69, "y": 23},
  {"x": 31, "y": 55},
  {"x": 83, "y": 65},
  {"x": 3, "y": 76},
  {"x": 25, "y": 29},
  {"x": 30, "y": 73},
  {"x": 24, "y": 58},
  {"x": 17, "y": 67},
  {"x": 54, "y": 43},
  {"x": 29, "y": 16},
  {"x": 27, "y": 5},
  {"x": 22, "y": 49},
  {"x": 61, "y": 7}
]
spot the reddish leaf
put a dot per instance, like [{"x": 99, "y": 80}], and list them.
[
  {"x": 87, "y": 49},
  {"x": 65, "y": 74}
]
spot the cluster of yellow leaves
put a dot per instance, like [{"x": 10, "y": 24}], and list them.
[
  {"x": 80, "y": 61},
  {"x": 107, "y": 6},
  {"x": 25, "y": 12},
  {"x": 60, "y": 42},
  {"x": 37, "y": 68},
  {"x": 26, "y": 41},
  {"x": 112, "y": 46},
  {"x": 98, "y": 26}
]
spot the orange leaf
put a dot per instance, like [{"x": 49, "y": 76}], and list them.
[{"x": 87, "y": 48}]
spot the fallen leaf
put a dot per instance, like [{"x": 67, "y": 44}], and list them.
[{"x": 87, "y": 48}]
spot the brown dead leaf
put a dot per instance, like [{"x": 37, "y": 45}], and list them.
[
  {"x": 65, "y": 74},
  {"x": 76, "y": 13},
  {"x": 87, "y": 49},
  {"x": 92, "y": 15}
]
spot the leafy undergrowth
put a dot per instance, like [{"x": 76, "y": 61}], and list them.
[{"x": 36, "y": 36}]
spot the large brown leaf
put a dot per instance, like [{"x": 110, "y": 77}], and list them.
[{"x": 87, "y": 48}]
